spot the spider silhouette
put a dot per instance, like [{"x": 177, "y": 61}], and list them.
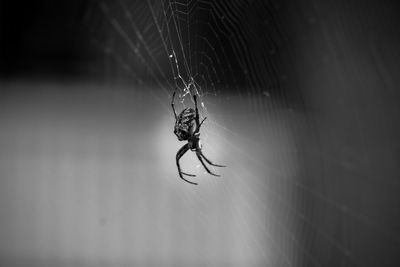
[{"x": 187, "y": 128}]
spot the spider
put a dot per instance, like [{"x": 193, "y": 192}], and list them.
[{"x": 187, "y": 128}]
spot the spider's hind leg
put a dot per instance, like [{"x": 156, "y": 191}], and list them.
[
  {"x": 180, "y": 153},
  {"x": 204, "y": 165},
  {"x": 188, "y": 174},
  {"x": 180, "y": 175},
  {"x": 208, "y": 161}
]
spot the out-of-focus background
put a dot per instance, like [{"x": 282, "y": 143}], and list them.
[{"x": 301, "y": 101}]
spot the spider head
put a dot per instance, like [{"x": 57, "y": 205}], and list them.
[{"x": 181, "y": 132}]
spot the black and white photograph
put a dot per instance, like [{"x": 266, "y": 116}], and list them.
[{"x": 240, "y": 133}]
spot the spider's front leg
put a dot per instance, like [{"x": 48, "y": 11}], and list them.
[
  {"x": 173, "y": 104},
  {"x": 180, "y": 153},
  {"x": 196, "y": 109},
  {"x": 198, "y": 123}
]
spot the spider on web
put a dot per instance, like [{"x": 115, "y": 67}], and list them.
[{"x": 187, "y": 128}]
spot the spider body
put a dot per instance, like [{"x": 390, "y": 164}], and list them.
[
  {"x": 185, "y": 124},
  {"x": 187, "y": 128}
]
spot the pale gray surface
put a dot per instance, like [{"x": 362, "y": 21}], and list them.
[{"x": 88, "y": 178}]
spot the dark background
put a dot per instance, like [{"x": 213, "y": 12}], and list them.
[{"x": 46, "y": 38}]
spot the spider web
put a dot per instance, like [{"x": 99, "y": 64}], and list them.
[
  {"x": 209, "y": 48},
  {"x": 202, "y": 48}
]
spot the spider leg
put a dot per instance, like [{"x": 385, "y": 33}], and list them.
[
  {"x": 187, "y": 180},
  {"x": 204, "y": 165},
  {"x": 198, "y": 126},
  {"x": 180, "y": 153},
  {"x": 198, "y": 123},
  {"x": 208, "y": 161},
  {"x": 188, "y": 174},
  {"x": 197, "y": 111},
  {"x": 173, "y": 104}
]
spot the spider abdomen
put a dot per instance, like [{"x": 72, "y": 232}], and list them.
[
  {"x": 185, "y": 124},
  {"x": 187, "y": 115}
]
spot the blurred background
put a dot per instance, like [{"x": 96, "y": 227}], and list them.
[{"x": 301, "y": 100}]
